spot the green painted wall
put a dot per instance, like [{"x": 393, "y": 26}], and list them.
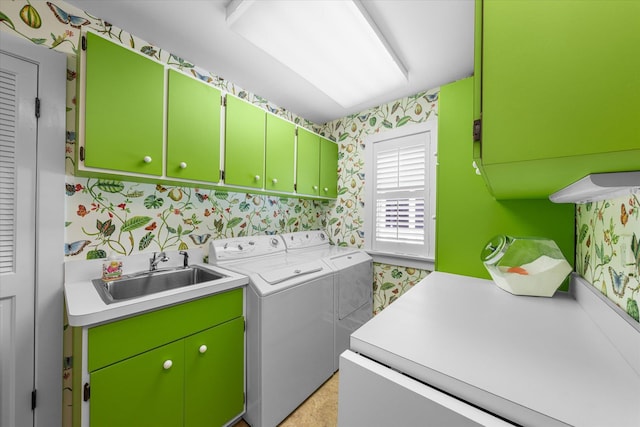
[{"x": 467, "y": 216}]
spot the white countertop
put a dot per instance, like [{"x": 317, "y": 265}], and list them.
[
  {"x": 86, "y": 308},
  {"x": 532, "y": 360}
]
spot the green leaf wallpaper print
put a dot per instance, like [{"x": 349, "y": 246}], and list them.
[
  {"x": 126, "y": 218},
  {"x": 608, "y": 249}
]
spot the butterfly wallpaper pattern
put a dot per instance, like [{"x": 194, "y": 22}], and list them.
[{"x": 608, "y": 249}]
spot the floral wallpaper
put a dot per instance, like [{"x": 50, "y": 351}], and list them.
[
  {"x": 608, "y": 249},
  {"x": 123, "y": 218},
  {"x": 345, "y": 217}
]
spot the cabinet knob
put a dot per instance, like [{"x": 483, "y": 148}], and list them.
[
  {"x": 274, "y": 180},
  {"x": 167, "y": 364},
  {"x": 147, "y": 159},
  {"x": 315, "y": 187},
  {"x": 183, "y": 165},
  {"x": 257, "y": 178},
  {"x": 326, "y": 189},
  {"x": 203, "y": 349}
]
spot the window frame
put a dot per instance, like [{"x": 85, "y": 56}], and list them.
[{"x": 398, "y": 256}]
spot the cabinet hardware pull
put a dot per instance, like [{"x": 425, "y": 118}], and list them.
[
  {"x": 257, "y": 177},
  {"x": 326, "y": 189},
  {"x": 315, "y": 187},
  {"x": 167, "y": 364},
  {"x": 183, "y": 165},
  {"x": 203, "y": 349},
  {"x": 147, "y": 159},
  {"x": 274, "y": 180}
]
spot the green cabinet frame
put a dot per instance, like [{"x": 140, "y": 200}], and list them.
[
  {"x": 123, "y": 109},
  {"x": 193, "y": 129},
  {"x": 559, "y": 92}
]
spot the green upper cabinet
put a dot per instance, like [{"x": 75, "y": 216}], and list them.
[
  {"x": 193, "y": 129},
  {"x": 560, "y": 92},
  {"x": 328, "y": 168},
  {"x": 308, "y": 163},
  {"x": 123, "y": 97},
  {"x": 244, "y": 144},
  {"x": 280, "y": 154}
]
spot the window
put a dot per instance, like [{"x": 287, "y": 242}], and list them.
[{"x": 400, "y": 192}]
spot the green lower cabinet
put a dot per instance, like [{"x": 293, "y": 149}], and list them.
[
  {"x": 140, "y": 391},
  {"x": 328, "y": 168},
  {"x": 214, "y": 375}
]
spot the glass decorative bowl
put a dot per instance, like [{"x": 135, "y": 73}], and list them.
[{"x": 525, "y": 265}]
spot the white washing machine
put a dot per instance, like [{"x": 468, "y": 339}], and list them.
[
  {"x": 353, "y": 281},
  {"x": 290, "y": 324}
]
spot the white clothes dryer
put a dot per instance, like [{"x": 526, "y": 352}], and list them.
[{"x": 353, "y": 281}]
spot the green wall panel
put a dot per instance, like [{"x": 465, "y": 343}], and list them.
[{"x": 467, "y": 215}]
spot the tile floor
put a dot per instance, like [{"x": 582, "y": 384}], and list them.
[{"x": 319, "y": 410}]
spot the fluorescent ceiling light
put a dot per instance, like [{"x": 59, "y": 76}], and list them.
[{"x": 333, "y": 44}]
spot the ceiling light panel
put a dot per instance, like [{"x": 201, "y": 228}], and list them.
[{"x": 332, "y": 44}]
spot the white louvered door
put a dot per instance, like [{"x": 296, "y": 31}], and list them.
[{"x": 18, "y": 136}]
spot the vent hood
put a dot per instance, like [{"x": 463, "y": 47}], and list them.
[{"x": 599, "y": 186}]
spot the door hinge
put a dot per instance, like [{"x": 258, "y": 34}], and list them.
[
  {"x": 295, "y": 187},
  {"x": 296, "y": 131},
  {"x": 37, "y": 108},
  {"x": 221, "y": 175},
  {"x": 84, "y": 42},
  {"x": 223, "y": 100},
  {"x": 477, "y": 130},
  {"x": 33, "y": 399},
  {"x": 81, "y": 154},
  {"x": 86, "y": 392}
]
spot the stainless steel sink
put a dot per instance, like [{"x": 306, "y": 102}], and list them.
[{"x": 151, "y": 282}]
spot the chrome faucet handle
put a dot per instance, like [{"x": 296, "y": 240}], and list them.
[{"x": 185, "y": 259}]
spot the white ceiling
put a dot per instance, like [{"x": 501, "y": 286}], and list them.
[{"x": 433, "y": 39}]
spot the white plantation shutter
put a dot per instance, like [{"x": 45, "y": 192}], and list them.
[{"x": 402, "y": 180}]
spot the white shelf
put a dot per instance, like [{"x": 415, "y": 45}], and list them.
[{"x": 599, "y": 186}]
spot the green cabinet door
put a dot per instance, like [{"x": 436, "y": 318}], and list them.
[
  {"x": 193, "y": 129},
  {"x": 244, "y": 144},
  {"x": 141, "y": 391},
  {"x": 123, "y": 109},
  {"x": 308, "y": 163},
  {"x": 280, "y": 154},
  {"x": 328, "y": 168},
  {"x": 214, "y": 375},
  {"x": 560, "y": 92}
]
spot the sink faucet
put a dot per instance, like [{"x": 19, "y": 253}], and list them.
[
  {"x": 185, "y": 259},
  {"x": 153, "y": 262}
]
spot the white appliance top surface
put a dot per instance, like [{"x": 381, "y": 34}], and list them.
[
  {"x": 533, "y": 360},
  {"x": 264, "y": 259}
]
